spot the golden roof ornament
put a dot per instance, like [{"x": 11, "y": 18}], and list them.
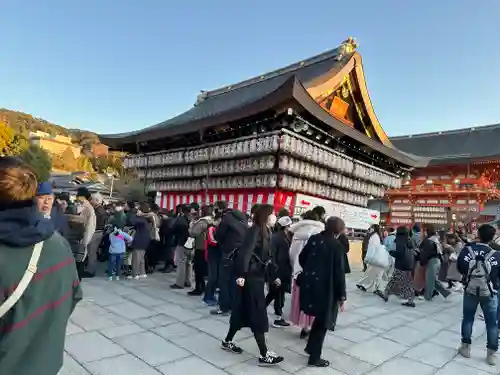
[{"x": 346, "y": 47}]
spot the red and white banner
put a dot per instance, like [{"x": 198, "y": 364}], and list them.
[
  {"x": 241, "y": 200},
  {"x": 353, "y": 216}
]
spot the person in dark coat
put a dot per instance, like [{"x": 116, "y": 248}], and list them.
[
  {"x": 167, "y": 241},
  {"x": 401, "y": 282},
  {"x": 322, "y": 285},
  {"x": 183, "y": 249},
  {"x": 252, "y": 262},
  {"x": 280, "y": 252},
  {"x": 342, "y": 237},
  {"x": 142, "y": 239},
  {"x": 229, "y": 236}
]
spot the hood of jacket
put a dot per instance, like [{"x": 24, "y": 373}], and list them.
[
  {"x": 306, "y": 228},
  {"x": 24, "y": 226}
]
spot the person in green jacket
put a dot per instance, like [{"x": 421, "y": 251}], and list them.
[{"x": 33, "y": 331}]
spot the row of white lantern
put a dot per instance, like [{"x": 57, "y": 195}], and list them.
[
  {"x": 336, "y": 160},
  {"x": 317, "y": 188},
  {"x": 240, "y": 182},
  {"x": 401, "y": 214},
  {"x": 244, "y": 165},
  {"x": 177, "y": 185},
  {"x": 171, "y": 172},
  {"x": 437, "y": 215},
  {"x": 401, "y": 221},
  {"x": 397, "y": 207},
  {"x": 374, "y": 175},
  {"x": 314, "y": 172},
  {"x": 428, "y": 209}
]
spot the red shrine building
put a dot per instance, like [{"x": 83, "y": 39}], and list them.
[
  {"x": 458, "y": 185},
  {"x": 296, "y": 137}
]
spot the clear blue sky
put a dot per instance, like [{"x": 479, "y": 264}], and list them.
[{"x": 119, "y": 65}]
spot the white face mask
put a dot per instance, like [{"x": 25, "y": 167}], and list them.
[
  {"x": 118, "y": 208},
  {"x": 271, "y": 220}
]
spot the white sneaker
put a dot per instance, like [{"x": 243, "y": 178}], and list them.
[
  {"x": 143, "y": 276},
  {"x": 130, "y": 277},
  {"x": 137, "y": 277},
  {"x": 110, "y": 278},
  {"x": 117, "y": 278}
]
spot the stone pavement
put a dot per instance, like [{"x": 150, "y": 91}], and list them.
[{"x": 144, "y": 328}]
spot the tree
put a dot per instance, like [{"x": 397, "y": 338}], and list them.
[
  {"x": 18, "y": 145},
  {"x": 39, "y": 160},
  {"x": 68, "y": 160},
  {"x": 132, "y": 191},
  {"x": 6, "y": 136},
  {"x": 83, "y": 164}
]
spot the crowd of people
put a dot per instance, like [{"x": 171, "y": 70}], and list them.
[
  {"x": 241, "y": 263},
  {"x": 430, "y": 263}
]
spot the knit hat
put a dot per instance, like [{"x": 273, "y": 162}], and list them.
[
  {"x": 44, "y": 188},
  {"x": 83, "y": 192}
]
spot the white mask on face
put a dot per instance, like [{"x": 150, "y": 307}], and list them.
[
  {"x": 118, "y": 208},
  {"x": 271, "y": 220}
]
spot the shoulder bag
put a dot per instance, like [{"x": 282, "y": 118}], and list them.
[{"x": 25, "y": 281}]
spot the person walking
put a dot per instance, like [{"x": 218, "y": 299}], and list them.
[
  {"x": 372, "y": 279},
  {"x": 229, "y": 235},
  {"x": 308, "y": 226},
  {"x": 280, "y": 285},
  {"x": 431, "y": 255},
  {"x": 480, "y": 266},
  {"x": 31, "y": 250},
  {"x": 252, "y": 262},
  {"x": 323, "y": 286},
  {"x": 401, "y": 282}
]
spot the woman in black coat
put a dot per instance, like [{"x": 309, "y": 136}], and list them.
[
  {"x": 322, "y": 285},
  {"x": 282, "y": 279},
  {"x": 252, "y": 263}
]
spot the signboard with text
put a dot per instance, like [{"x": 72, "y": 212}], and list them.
[{"x": 354, "y": 217}]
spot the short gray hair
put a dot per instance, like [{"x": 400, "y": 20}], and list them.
[{"x": 97, "y": 198}]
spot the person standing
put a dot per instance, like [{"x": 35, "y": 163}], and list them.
[
  {"x": 86, "y": 211},
  {"x": 213, "y": 256},
  {"x": 308, "y": 226},
  {"x": 140, "y": 243},
  {"x": 184, "y": 245},
  {"x": 249, "y": 307},
  {"x": 117, "y": 249},
  {"x": 280, "y": 252},
  {"x": 229, "y": 236},
  {"x": 323, "y": 286},
  {"x": 198, "y": 231},
  {"x": 167, "y": 241},
  {"x": 32, "y": 335},
  {"x": 101, "y": 219},
  {"x": 480, "y": 266}
]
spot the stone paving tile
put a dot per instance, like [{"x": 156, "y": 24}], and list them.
[
  {"x": 91, "y": 346},
  {"x": 145, "y": 328},
  {"x": 71, "y": 367},
  {"x": 119, "y": 331},
  {"x": 190, "y": 365},
  {"x": 152, "y": 348},
  {"x": 403, "y": 366},
  {"x": 123, "y": 365}
]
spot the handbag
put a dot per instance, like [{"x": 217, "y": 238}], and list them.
[
  {"x": 25, "y": 280},
  {"x": 377, "y": 256}
]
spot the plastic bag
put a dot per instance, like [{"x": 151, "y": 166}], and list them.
[{"x": 377, "y": 256}]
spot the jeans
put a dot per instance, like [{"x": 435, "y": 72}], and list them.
[
  {"x": 431, "y": 280},
  {"x": 138, "y": 263},
  {"x": 226, "y": 283},
  {"x": 115, "y": 262},
  {"x": 214, "y": 258},
  {"x": 489, "y": 307}
]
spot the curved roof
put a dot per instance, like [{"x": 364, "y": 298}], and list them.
[
  {"x": 453, "y": 146},
  {"x": 240, "y": 95},
  {"x": 303, "y": 82}
]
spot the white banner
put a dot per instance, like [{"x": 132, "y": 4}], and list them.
[{"x": 354, "y": 217}]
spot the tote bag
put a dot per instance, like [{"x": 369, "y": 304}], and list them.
[{"x": 377, "y": 256}]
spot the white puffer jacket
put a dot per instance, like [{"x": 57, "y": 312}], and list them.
[{"x": 301, "y": 233}]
